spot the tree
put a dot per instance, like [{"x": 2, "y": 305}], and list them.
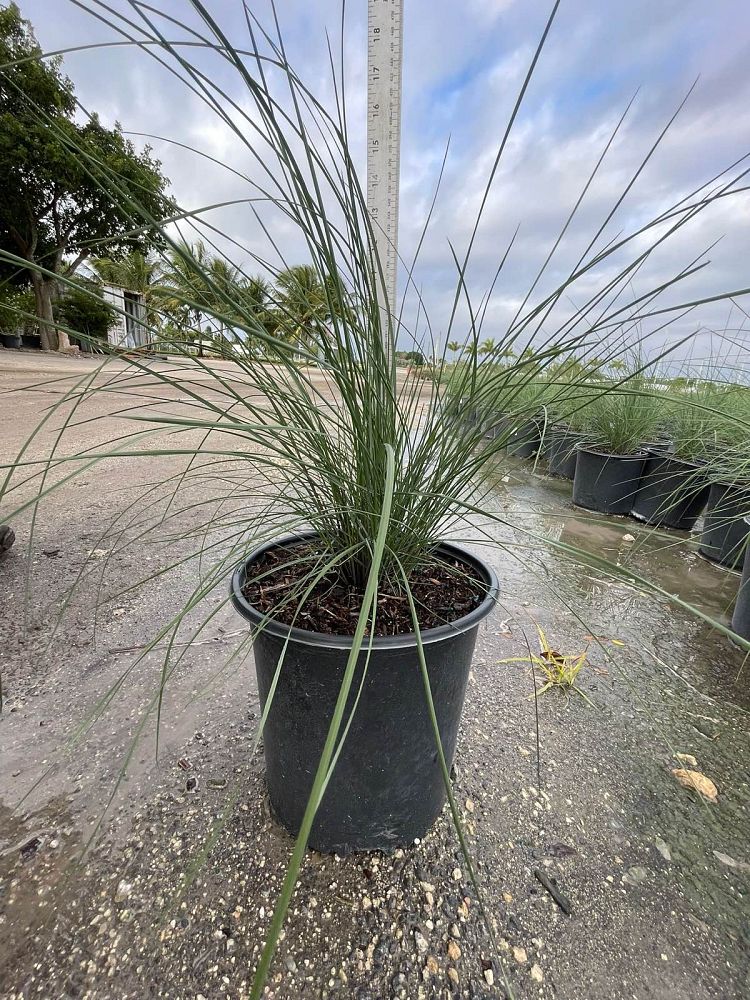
[
  {"x": 454, "y": 346},
  {"x": 487, "y": 347},
  {"x": 55, "y": 208},
  {"x": 302, "y": 304},
  {"x": 83, "y": 310}
]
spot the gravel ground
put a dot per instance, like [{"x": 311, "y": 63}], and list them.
[{"x": 655, "y": 879}]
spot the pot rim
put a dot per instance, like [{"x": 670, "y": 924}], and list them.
[
  {"x": 595, "y": 450},
  {"x": 408, "y": 639},
  {"x": 661, "y": 456}
]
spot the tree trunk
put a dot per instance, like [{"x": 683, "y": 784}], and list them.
[{"x": 46, "y": 324}]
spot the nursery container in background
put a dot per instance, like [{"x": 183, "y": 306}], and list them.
[
  {"x": 741, "y": 613},
  {"x": 10, "y": 340},
  {"x": 524, "y": 439},
  {"x": 562, "y": 451},
  {"x": 606, "y": 483},
  {"x": 725, "y": 527},
  {"x": 672, "y": 493}
]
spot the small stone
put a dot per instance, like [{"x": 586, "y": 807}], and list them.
[
  {"x": 637, "y": 874},
  {"x": 508, "y": 897},
  {"x": 519, "y": 954},
  {"x": 457, "y": 876},
  {"x": 469, "y": 806},
  {"x": 431, "y": 966},
  {"x": 427, "y": 886},
  {"x": 455, "y": 931},
  {"x": 454, "y": 951},
  {"x": 290, "y": 964},
  {"x": 123, "y": 891},
  {"x": 663, "y": 849},
  {"x": 453, "y": 975},
  {"x": 489, "y": 977},
  {"x": 420, "y": 941},
  {"x": 627, "y": 537},
  {"x": 536, "y": 974},
  {"x": 366, "y": 903}
]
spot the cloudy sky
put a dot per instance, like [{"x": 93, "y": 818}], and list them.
[{"x": 463, "y": 66}]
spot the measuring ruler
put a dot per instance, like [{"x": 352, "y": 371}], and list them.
[{"x": 384, "y": 57}]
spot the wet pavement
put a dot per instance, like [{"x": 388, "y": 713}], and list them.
[{"x": 656, "y": 877}]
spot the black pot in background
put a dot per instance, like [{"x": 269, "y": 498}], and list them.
[
  {"x": 741, "y": 613},
  {"x": 525, "y": 438},
  {"x": 672, "y": 493},
  {"x": 606, "y": 483},
  {"x": 10, "y": 340},
  {"x": 498, "y": 425},
  {"x": 724, "y": 526},
  {"x": 32, "y": 340},
  {"x": 387, "y": 787},
  {"x": 562, "y": 452}
]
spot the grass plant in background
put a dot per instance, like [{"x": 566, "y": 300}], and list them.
[{"x": 370, "y": 465}]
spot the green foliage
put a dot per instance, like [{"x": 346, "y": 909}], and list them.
[
  {"x": 14, "y": 303},
  {"x": 53, "y": 212},
  {"x": 83, "y": 310},
  {"x": 623, "y": 416}
]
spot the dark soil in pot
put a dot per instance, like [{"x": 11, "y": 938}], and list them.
[
  {"x": 562, "y": 453},
  {"x": 672, "y": 493},
  {"x": 10, "y": 340},
  {"x": 387, "y": 788},
  {"x": 741, "y": 613},
  {"x": 606, "y": 483},
  {"x": 524, "y": 439},
  {"x": 724, "y": 526}
]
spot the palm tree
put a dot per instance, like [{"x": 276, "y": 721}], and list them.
[
  {"x": 487, "y": 346},
  {"x": 135, "y": 273},
  {"x": 454, "y": 346},
  {"x": 302, "y": 305},
  {"x": 183, "y": 289}
]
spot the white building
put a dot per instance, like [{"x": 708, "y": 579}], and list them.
[{"x": 130, "y": 329}]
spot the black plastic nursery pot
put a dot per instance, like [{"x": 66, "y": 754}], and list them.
[
  {"x": 741, "y": 613},
  {"x": 725, "y": 527},
  {"x": 672, "y": 493},
  {"x": 606, "y": 483},
  {"x": 387, "y": 788},
  {"x": 562, "y": 452},
  {"x": 496, "y": 425},
  {"x": 32, "y": 340},
  {"x": 10, "y": 340},
  {"x": 524, "y": 439}
]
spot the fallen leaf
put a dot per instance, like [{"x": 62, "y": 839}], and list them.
[
  {"x": 686, "y": 758},
  {"x": 697, "y": 782},
  {"x": 730, "y": 862}
]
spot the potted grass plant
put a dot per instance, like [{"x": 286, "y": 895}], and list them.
[
  {"x": 566, "y": 428},
  {"x": 725, "y": 528},
  {"x": 674, "y": 487},
  {"x": 609, "y": 464},
  {"x": 341, "y": 482}
]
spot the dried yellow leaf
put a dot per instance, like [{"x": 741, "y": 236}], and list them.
[{"x": 697, "y": 782}]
